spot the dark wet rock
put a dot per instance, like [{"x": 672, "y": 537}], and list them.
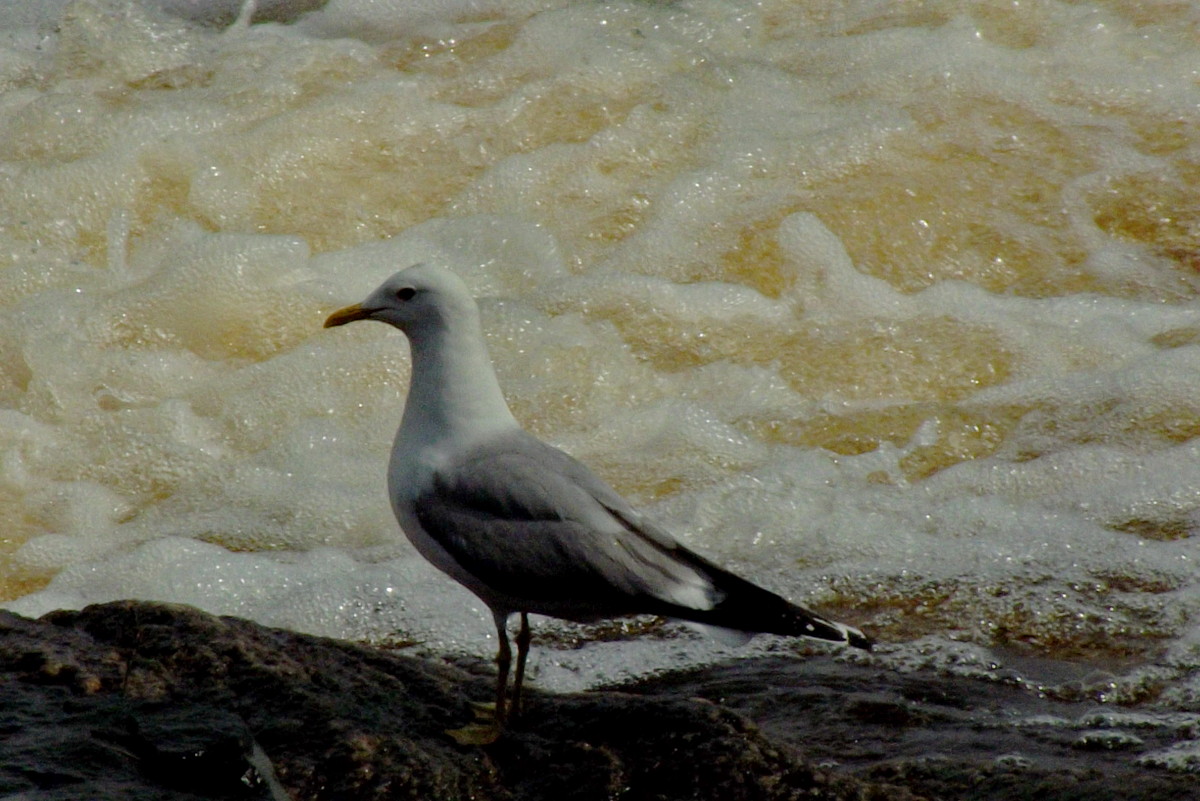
[
  {"x": 139, "y": 701},
  {"x": 939, "y": 736},
  {"x": 145, "y": 701}
]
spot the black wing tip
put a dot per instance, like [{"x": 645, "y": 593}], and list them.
[
  {"x": 839, "y": 632},
  {"x": 749, "y": 608},
  {"x": 803, "y": 623},
  {"x": 857, "y": 639}
]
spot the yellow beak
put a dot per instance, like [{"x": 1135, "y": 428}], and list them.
[{"x": 347, "y": 315}]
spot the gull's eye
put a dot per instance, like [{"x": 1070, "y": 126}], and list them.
[{"x": 406, "y": 293}]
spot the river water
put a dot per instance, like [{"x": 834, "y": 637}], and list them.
[{"x": 891, "y": 306}]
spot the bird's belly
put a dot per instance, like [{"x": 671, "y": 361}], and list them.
[{"x": 440, "y": 558}]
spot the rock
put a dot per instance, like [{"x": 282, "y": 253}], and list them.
[
  {"x": 944, "y": 736},
  {"x": 148, "y": 701},
  {"x": 141, "y": 701}
]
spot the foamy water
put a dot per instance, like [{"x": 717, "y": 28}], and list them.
[{"x": 890, "y": 306}]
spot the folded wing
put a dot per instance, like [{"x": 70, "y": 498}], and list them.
[{"x": 536, "y": 526}]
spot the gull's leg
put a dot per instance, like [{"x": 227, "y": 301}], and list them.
[
  {"x": 503, "y": 660},
  {"x": 489, "y": 723},
  {"x": 523, "y": 638}
]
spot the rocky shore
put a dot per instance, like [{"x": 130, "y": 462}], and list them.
[{"x": 136, "y": 700}]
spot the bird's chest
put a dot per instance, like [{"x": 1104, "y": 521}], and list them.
[{"x": 411, "y": 472}]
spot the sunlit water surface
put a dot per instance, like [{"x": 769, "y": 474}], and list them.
[{"x": 891, "y": 306}]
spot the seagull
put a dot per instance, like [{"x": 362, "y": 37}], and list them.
[{"x": 520, "y": 523}]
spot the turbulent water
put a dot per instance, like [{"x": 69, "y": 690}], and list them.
[{"x": 889, "y": 305}]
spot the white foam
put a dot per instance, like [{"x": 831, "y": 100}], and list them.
[
  {"x": 1182, "y": 757},
  {"x": 892, "y": 316}
]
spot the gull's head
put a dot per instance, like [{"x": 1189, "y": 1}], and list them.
[{"x": 419, "y": 297}]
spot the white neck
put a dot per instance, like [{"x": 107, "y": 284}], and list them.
[{"x": 453, "y": 393}]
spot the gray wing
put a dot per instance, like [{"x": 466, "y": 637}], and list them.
[{"x": 539, "y": 528}]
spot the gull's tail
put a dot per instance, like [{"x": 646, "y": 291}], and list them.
[{"x": 746, "y": 607}]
